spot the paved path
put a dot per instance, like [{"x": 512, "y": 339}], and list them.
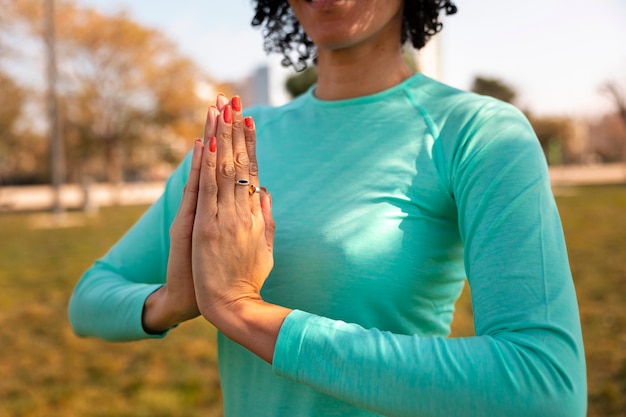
[
  {"x": 40, "y": 197},
  {"x": 567, "y": 175}
]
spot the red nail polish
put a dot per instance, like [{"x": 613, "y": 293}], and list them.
[
  {"x": 213, "y": 144},
  {"x": 198, "y": 140},
  {"x": 249, "y": 122},
  {"x": 228, "y": 114},
  {"x": 236, "y": 103}
]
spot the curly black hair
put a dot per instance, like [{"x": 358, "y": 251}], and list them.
[{"x": 283, "y": 33}]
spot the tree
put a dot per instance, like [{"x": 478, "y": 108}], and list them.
[
  {"x": 619, "y": 99},
  {"x": 495, "y": 88},
  {"x": 5, "y": 22},
  {"x": 299, "y": 83},
  {"x": 127, "y": 95},
  {"x": 608, "y": 138},
  {"x": 10, "y": 107},
  {"x": 21, "y": 151},
  {"x": 127, "y": 87},
  {"x": 554, "y": 134}
]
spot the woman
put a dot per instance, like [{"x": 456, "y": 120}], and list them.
[{"x": 388, "y": 189}]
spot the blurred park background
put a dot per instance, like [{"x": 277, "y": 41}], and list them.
[{"x": 99, "y": 100}]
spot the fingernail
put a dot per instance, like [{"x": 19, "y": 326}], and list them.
[
  {"x": 236, "y": 103},
  {"x": 249, "y": 122},
  {"x": 198, "y": 140},
  {"x": 213, "y": 144},
  {"x": 228, "y": 114}
]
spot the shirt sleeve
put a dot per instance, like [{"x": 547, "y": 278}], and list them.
[
  {"x": 108, "y": 300},
  {"x": 527, "y": 356}
]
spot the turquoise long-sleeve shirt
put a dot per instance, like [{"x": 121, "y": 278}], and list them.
[{"x": 384, "y": 204}]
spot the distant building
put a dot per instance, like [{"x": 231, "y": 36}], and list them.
[{"x": 266, "y": 85}]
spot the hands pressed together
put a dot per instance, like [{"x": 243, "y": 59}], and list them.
[{"x": 221, "y": 240}]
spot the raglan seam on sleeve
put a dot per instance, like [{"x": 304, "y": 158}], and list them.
[
  {"x": 434, "y": 133},
  {"x": 473, "y": 125}
]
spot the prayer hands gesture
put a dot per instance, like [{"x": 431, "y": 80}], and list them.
[
  {"x": 233, "y": 232},
  {"x": 221, "y": 248}
]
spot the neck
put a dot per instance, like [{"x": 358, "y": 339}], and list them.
[{"x": 361, "y": 71}]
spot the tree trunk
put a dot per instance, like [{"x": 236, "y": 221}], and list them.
[{"x": 114, "y": 167}]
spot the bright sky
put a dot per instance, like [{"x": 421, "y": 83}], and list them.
[{"x": 555, "y": 53}]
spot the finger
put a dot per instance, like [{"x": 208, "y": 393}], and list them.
[
  {"x": 187, "y": 208},
  {"x": 241, "y": 160},
  {"x": 210, "y": 126},
  {"x": 253, "y": 166},
  {"x": 221, "y": 101},
  {"x": 225, "y": 166},
  {"x": 208, "y": 187},
  {"x": 268, "y": 218}
]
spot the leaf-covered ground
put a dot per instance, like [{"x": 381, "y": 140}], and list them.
[{"x": 47, "y": 371}]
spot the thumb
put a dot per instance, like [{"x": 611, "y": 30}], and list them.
[{"x": 266, "y": 209}]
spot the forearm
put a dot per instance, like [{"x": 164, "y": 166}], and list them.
[
  {"x": 159, "y": 314},
  {"x": 108, "y": 301},
  {"x": 106, "y": 305},
  {"x": 538, "y": 373}
]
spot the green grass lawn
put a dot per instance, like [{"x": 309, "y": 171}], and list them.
[{"x": 46, "y": 371}]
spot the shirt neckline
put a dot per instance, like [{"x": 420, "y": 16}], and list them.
[{"x": 310, "y": 94}]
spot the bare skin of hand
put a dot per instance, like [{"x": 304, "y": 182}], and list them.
[
  {"x": 175, "y": 302},
  {"x": 232, "y": 249}
]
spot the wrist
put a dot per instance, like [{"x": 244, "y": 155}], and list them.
[
  {"x": 160, "y": 313},
  {"x": 251, "y": 322}
]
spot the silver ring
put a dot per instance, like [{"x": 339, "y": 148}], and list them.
[
  {"x": 254, "y": 189},
  {"x": 243, "y": 182}
]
